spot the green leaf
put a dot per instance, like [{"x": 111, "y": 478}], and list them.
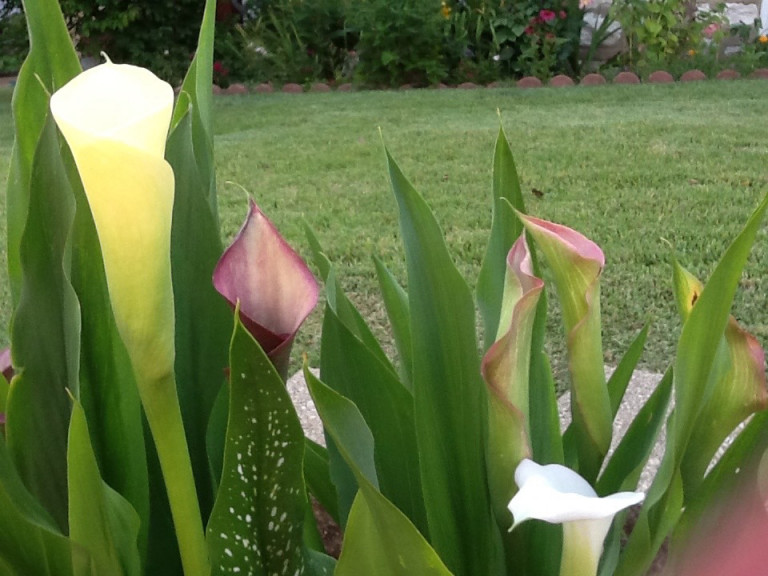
[
  {"x": 342, "y": 479},
  {"x": 396, "y": 303},
  {"x": 257, "y": 520},
  {"x": 624, "y": 468},
  {"x": 449, "y": 396},
  {"x": 317, "y": 475},
  {"x": 381, "y": 541},
  {"x": 345, "y": 310},
  {"x": 698, "y": 364},
  {"x": 505, "y": 229},
  {"x": 30, "y": 543},
  {"x": 738, "y": 390},
  {"x": 703, "y": 331},
  {"x": 203, "y": 319},
  {"x": 737, "y": 395},
  {"x": 50, "y": 64},
  {"x": 379, "y": 538},
  {"x": 100, "y": 520},
  {"x": 45, "y": 334},
  {"x": 216, "y": 435},
  {"x": 661, "y": 511},
  {"x": 344, "y": 423},
  {"x": 356, "y": 373},
  {"x": 546, "y": 441},
  {"x": 621, "y": 377},
  {"x": 197, "y": 86},
  {"x": 319, "y": 259},
  {"x": 726, "y": 474},
  {"x": 319, "y": 564}
]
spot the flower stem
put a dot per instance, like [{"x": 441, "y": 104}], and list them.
[
  {"x": 583, "y": 546},
  {"x": 161, "y": 405}
]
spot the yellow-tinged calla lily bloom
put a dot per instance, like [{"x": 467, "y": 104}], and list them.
[{"x": 115, "y": 118}]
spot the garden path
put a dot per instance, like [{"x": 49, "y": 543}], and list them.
[{"x": 639, "y": 390}]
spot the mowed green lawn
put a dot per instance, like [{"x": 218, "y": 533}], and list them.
[{"x": 636, "y": 169}]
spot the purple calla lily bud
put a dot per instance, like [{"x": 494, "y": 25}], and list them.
[{"x": 275, "y": 288}]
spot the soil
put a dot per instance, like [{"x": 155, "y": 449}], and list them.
[{"x": 328, "y": 529}]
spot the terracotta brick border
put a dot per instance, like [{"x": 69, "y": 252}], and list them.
[{"x": 561, "y": 80}]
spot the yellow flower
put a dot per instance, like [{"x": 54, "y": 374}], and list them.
[
  {"x": 691, "y": 52},
  {"x": 763, "y": 39},
  {"x": 446, "y": 10},
  {"x": 115, "y": 119}
]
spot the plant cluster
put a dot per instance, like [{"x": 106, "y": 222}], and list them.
[
  {"x": 383, "y": 43},
  {"x": 148, "y": 429},
  {"x": 662, "y": 32},
  {"x": 13, "y": 42},
  {"x": 159, "y": 35}
]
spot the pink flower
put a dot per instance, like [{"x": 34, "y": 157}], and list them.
[
  {"x": 710, "y": 30},
  {"x": 562, "y": 14},
  {"x": 528, "y": 30},
  {"x": 547, "y": 15}
]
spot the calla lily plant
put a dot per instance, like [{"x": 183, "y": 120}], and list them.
[
  {"x": 114, "y": 252},
  {"x": 147, "y": 428}
]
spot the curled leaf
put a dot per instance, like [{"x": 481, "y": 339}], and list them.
[{"x": 505, "y": 369}]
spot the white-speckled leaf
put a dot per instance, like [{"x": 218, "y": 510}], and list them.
[{"x": 256, "y": 524}]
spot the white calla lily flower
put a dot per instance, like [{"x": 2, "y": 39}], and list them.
[{"x": 558, "y": 495}]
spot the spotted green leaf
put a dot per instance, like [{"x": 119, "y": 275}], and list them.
[{"x": 256, "y": 524}]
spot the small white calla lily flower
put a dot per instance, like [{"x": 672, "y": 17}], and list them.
[{"x": 558, "y": 495}]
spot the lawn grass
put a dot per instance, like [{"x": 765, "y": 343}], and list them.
[{"x": 627, "y": 166}]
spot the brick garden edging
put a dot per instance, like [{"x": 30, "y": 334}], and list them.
[{"x": 561, "y": 80}]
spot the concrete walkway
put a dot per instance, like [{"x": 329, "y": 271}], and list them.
[{"x": 639, "y": 390}]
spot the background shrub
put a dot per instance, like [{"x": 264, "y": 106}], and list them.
[
  {"x": 13, "y": 42},
  {"x": 401, "y": 41},
  {"x": 297, "y": 41}
]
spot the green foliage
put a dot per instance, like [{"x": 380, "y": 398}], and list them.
[
  {"x": 401, "y": 42},
  {"x": 454, "y": 413},
  {"x": 80, "y": 487},
  {"x": 14, "y": 43},
  {"x": 662, "y": 31},
  {"x": 519, "y": 39},
  {"x": 295, "y": 41}
]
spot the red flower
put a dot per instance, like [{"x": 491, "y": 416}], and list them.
[
  {"x": 547, "y": 15},
  {"x": 562, "y": 14},
  {"x": 528, "y": 30},
  {"x": 220, "y": 69}
]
